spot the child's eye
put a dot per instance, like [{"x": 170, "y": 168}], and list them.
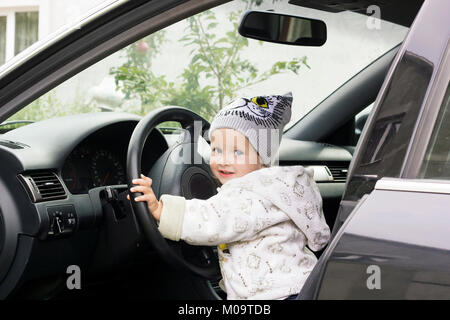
[
  {"x": 218, "y": 150},
  {"x": 238, "y": 152}
]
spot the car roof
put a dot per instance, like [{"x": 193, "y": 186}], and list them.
[{"x": 401, "y": 12}]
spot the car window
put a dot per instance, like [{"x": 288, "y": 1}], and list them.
[
  {"x": 436, "y": 164},
  {"x": 391, "y": 129},
  {"x": 202, "y": 63}
]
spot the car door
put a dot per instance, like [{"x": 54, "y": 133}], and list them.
[{"x": 390, "y": 238}]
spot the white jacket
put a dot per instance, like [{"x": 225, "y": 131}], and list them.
[{"x": 266, "y": 218}]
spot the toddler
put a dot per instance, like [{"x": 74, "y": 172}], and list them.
[{"x": 263, "y": 217}]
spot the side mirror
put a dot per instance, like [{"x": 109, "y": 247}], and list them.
[{"x": 280, "y": 28}]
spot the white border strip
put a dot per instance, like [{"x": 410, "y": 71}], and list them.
[{"x": 429, "y": 186}]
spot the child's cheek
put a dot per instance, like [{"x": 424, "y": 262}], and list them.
[
  {"x": 213, "y": 167},
  {"x": 212, "y": 161},
  {"x": 245, "y": 168}
]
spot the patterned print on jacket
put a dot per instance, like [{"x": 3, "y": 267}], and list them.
[{"x": 269, "y": 219}]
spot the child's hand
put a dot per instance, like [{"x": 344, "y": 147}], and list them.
[{"x": 144, "y": 185}]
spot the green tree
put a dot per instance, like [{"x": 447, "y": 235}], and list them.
[
  {"x": 190, "y": 93},
  {"x": 215, "y": 72},
  {"x": 135, "y": 77},
  {"x": 220, "y": 59}
]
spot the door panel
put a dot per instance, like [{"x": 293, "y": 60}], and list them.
[
  {"x": 404, "y": 234},
  {"x": 395, "y": 243}
]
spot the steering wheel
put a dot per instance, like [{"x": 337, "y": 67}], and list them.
[{"x": 179, "y": 171}]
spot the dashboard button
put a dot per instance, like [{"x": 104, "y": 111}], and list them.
[{"x": 62, "y": 219}]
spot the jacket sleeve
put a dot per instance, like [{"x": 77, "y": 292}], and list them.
[
  {"x": 217, "y": 219},
  {"x": 317, "y": 232}
]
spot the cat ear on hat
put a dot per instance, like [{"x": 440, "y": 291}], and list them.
[{"x": 288, "y": 97}]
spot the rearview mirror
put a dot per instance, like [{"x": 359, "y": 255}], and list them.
[{"x": 279, "y": 28}]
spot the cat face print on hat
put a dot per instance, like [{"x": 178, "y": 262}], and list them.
[{"x": 261, "y": 119}]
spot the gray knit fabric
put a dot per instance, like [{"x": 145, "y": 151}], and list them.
[{"x": 261, "y": 119}]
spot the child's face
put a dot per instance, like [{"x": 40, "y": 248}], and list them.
[{"x": 232, "y": 155}]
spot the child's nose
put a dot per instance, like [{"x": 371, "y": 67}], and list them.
[{"x": 224, "y": 158}]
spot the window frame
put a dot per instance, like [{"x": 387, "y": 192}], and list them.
[
  {"x": 430, "y": 20},
  {"x": 363, "y": 175},
  {"x": 423, "y": 135}
]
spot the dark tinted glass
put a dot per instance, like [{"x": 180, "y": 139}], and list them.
[
  {"x": 390, "y": 132},
  {"x": 436, "y": 164}
]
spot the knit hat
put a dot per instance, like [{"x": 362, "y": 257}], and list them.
[{"x": 261, "y": 119}]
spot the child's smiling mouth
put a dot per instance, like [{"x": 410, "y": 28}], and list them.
[{"x": 225, "y": 173}]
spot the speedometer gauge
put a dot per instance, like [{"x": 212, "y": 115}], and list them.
[
  {"x": 107, "y": 169},
  {"x": 75, "y": 171}
]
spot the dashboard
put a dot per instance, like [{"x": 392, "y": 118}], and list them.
[
  {"x": 91, "y": 223},
  {"x": 53, "y": 205},
  {"x": 100, "y": 159}
]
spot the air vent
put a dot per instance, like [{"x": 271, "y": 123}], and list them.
[
  {"x": 339, "y": 172},
  {"x": 43, "y": 186}
]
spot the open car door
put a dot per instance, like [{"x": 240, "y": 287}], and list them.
[{"x": 390, "y": 239}]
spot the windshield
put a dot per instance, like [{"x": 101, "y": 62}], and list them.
[{"x": 202, "y": 63}]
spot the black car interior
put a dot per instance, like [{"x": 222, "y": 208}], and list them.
[
  {"x": 63, "y": 182},
  {"x": 85, "y": 161}
]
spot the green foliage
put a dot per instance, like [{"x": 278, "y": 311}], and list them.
[
  {"x": 135, "y": 77},
  {"x": 220, "y": 58},
  {"x": 48, "y": 106},
  {"x": 216, "y": 70},
  {"x": 191, "y": 94}
]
